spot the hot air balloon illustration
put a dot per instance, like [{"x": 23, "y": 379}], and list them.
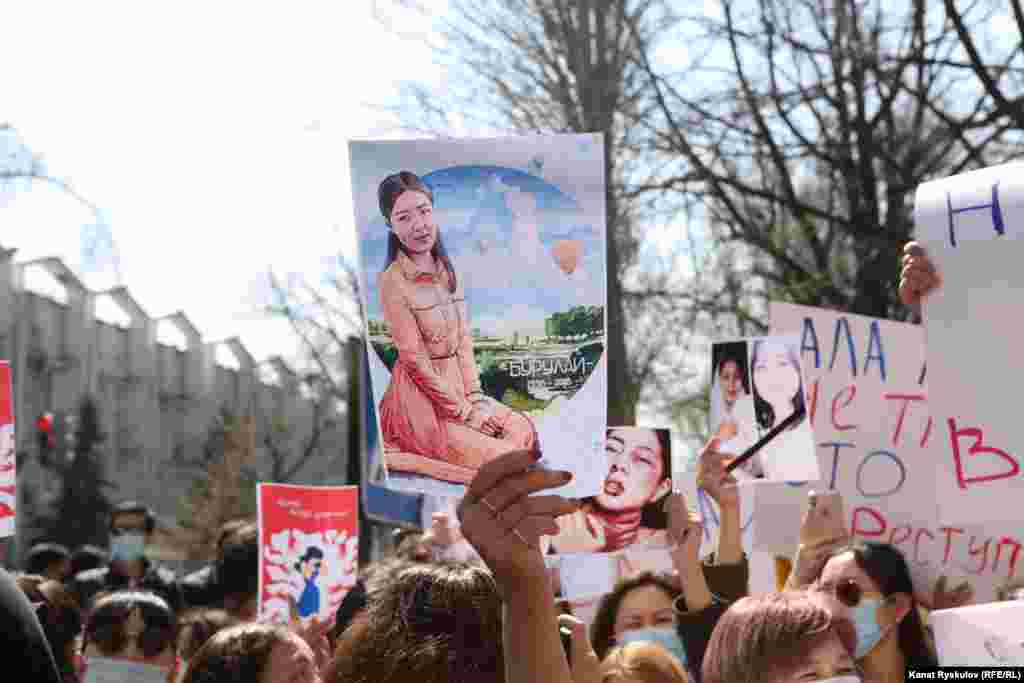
[{"x": 567, "y": 253}]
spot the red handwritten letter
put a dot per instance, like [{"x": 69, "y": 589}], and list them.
[{"x": 978, "y": 449}]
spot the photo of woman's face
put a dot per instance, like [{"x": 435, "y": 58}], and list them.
[
  {"x": 635, "y": 469},
  {"x": 412, "y": 221},
  {"x": 729, "y": 376},
  {"x": 776, "y": 377}
]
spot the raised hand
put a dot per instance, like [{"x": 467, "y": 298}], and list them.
[
  {"x": 504, "y": 523},
  {"x": 720, "y": 485},
  {"x": 918, "y": 276},
  {"x": 582, "y": 532}
]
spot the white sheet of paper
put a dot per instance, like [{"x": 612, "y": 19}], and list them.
[
  {"x": 778, "y": 509},
  {"x": 980, "y": 635},
  {"x": 585, "y": 576},
  {"x": 106, "y": 670},
  {"x": 972, "y": 226}
]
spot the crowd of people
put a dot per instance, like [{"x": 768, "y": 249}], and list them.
[{"x": 471, "y": 599}]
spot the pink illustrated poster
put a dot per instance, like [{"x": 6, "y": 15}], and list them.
[
  {"x": 8, "y": 473},
  {"x": 309, "y": 539}
]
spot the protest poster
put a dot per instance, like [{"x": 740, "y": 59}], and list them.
[
  {"x": 109, "y": 670},
  {"x": 309, "y": 538},
  {"x": 629, "y": 509},
  {"x": 482, "y": 271},
  {"x": 980, "y": 635},
  {"x": 867, "y": 402},
  {"x": 8, "y": 449},
  {"x": 971, "y": 225},
  {"x": 756, "y": 385}
]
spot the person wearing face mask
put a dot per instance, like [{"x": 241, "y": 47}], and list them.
[
  {"x": 869, "y": 584},
  {"x": 131, "y": 634},
  {"x": 131, "y": 527},
  {"x": 781, "y": 638}
]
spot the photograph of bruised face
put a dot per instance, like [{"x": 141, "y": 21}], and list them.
[{"x": 628, "y": 511}]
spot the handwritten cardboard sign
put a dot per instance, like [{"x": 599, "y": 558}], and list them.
[
  {"x": 309, "y": 538},
  {"x": 867, "y": 401},
  {"x": 8, "y": 471},
  {"x": 972, "y": 226},
  {"x": 980, "y": 635},
  {"x": 483, "y": 276}
]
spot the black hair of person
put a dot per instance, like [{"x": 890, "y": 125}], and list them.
[
  {"x": 88, "y": 557},
  {"x": 602, "y": 629},
  {"x": 136, "y": 508},
  {"x": 42, "y": 555},
  {"x": 735, "y": 352},
  {"x": 390, "y": 189},
  {"x": 887, "y": 567},
  {"x": 105, "y": 623}
]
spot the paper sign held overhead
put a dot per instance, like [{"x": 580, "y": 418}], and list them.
[
  {"x": 972, "y": 226},
  {"x": 980, "y": 635},
  {"x": 484, "y": 289}
]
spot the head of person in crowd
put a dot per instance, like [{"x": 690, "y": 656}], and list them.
[
  {"x": 135, "y": 626},
  {"x": 238, "y": 572},
  {"x": 415, "y": 546},
  {"x": 641, "y": 662},
  {"x": 779, "y": 638},
  {"x": 869, "y": 584},
  {"x": 430, "y": 623},
  {"x": 61, "y": 618},
  {"x": 229, "y": 529},
  {"x": 88, "y": 557},
  {"x": 51, "y": 560},
  {"x": 372, "y": 581},
  {"x": 253, "y": 653},
  {"x": 638, "y": 605},
  {"x": 195, "y": 627},
  {"x": 131, "y": 527},
  {"x": 1012, "y": 590},
  {"x": 23, "y": 644}
]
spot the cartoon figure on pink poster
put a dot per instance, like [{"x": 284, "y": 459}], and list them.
[
  {"x": 629, "y": 510},
  {"x": 484, "y": 286},
  {"x": 8, "y": 473},
  {"x": 309, "y": 543}
]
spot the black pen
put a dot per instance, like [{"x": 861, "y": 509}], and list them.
[{"x": 776, "y": 430}]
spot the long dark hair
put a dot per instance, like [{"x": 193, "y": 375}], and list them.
[
  {"x": 765, "y": 413},
  {"x": 390, "y": 189},
  {"x": 602, "y": 630},
  {"x": 888, "y": 569}
]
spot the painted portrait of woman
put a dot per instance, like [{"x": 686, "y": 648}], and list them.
[
  {"x": 628, "y": 512},
  {"x": 732, "y": 406},
  {"x": 778, "y": 391},
  {"x": 434, "y": 406}
]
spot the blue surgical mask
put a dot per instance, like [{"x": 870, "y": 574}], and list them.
[
  {"x": 865, "y": 620},
  {"x": 841, "y": 679},
  {"x": 666, "y": 637},
  {"x": 127, "y": 547}
]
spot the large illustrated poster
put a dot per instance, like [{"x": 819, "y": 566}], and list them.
[
  {"x": 483, "y": 275},
  {"x": 309, "y": 538},
  {"x": 8, "y": 472},
  {"x": 972, "y": 226},
  {"x": 875, "y": 428}
]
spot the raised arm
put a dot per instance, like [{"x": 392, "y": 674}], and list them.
[
  {"x": 504, "y": 523},
  {"x": 918, "y": 276}
]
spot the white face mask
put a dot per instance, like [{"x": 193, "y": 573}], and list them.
[{"x": 107, "y": 669}]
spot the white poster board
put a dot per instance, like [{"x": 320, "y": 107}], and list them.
[
  {"x": 980, "y": 635},
  {"x": 971, "y": 225},
  {"x": 867, "y": 401}
]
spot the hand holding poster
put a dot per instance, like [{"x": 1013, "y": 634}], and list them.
[
  {"x": 484, "y": 289},
  {"x": 8, "y": 445},
  {"x": 309, "y": 539},
  {"x": 972, "y": 227}
]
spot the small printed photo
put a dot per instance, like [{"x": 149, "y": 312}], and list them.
[
  {"x": 732, "y": 402},
  {"x": 629, "y": 511}
]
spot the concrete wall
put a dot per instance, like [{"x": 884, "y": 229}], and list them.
[{"x": 156, "y": 402}]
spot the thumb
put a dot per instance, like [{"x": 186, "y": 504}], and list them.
[
  {"x": 581, "y": 645},
  {"x": 940, "y": 585}
]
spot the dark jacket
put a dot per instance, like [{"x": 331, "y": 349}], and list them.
[
  {"x": 157, "y": 579},
  {"x": 727, "y": 583},
  {"x": 23, "y": 646}
]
